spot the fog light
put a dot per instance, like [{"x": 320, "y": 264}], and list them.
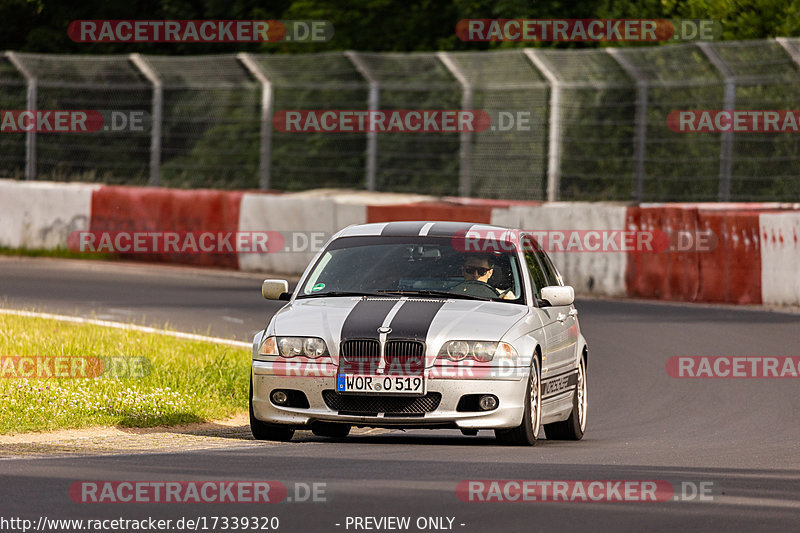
[
  {"x": 279, "y": 397},
  {"x": 487, "y": 402}
]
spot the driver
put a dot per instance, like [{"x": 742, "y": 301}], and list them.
[{"x": 480, "y": 267}]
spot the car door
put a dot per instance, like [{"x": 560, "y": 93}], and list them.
[
  {"x": 567, "y": 315},
  {"x": 560, "y": 329}
]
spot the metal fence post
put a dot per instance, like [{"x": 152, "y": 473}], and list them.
[
  {"x": 265, "y": 150},
  {"x": 30, "y": 103},
  {"x": 639, "y": 120},
  {"x": 728, "y": 103},
  {"x": 554, "y": 149},
  {"x": 157, "y": 111},
  {"x": 372, "y": 105},
  {"x": 465, "y": 150},
  {"x": 792, "y": 51}
]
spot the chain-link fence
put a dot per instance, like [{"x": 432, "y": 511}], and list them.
[{"x": 596, "y": 129}]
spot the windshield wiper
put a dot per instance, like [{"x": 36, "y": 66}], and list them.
[
  {"x": 338, "y": 293},
  {"x": 429, "y": 292}
]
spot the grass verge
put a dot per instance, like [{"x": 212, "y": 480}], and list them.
[{"x": 188, "y": 381}]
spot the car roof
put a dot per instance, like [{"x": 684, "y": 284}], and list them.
[{"x": 420, "y": 228}]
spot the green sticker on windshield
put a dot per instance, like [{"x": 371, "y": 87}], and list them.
[{"x": 318, "y": 287}]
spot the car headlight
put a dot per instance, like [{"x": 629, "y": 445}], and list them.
[
  {"x": 311, "y": 347},
  {"x": 314, "y": 347},
  {"x": 290, "y": 346},
  {"x": 456, "y": 350},
  {"x": 481, "y": 351}
]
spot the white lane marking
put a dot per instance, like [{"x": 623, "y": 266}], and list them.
[
  {"x": 129, "y": 327},
  {"x": 425, "y": 229},
  {"x": 232, "y": 319}
]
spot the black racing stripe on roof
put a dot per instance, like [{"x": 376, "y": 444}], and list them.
[
  {"x": 448, "y": 229},
  {"x": 365, "y": 318},
  {"x": 413, "y": 320},
  {"x": 402, "y": 229}
]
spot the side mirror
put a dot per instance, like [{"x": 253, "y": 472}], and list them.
[
  {"x": 556, "y": 295},
  {"x": 273, "y": 289}
]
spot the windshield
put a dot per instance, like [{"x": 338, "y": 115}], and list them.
[{"x": 430, "y": 266}]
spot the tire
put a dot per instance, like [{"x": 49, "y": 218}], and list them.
[
  {"x": 573, "y": 427},
  {"x": 264, "y": 431},
  {"x": 527, "y": 433},
  {"x": 330, "y": 429}
]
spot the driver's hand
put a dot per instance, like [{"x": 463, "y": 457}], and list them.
[{"x": 507, "y": 294}]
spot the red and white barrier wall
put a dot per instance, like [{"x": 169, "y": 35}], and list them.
[
  {"x": 145, "y": 209},
  {"x": 290, "y": 213},
  {"x": 40, "y": 215},
  {"x": 601, "y": 272},
  {"x": 754, "y": 259},
  {"x": 780, "y": 258}
]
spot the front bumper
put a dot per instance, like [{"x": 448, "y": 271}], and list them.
[{"x": 509, "y": 390}]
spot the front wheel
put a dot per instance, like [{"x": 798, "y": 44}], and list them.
[
  {"x": 527, "y": 433},
  {"x": 264, "y": 431},
  {"x": 573, "y": 427}
]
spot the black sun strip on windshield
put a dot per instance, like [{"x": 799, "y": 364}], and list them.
[
  {"x": 402, "y": 229},
  {"x": 449, "y": 229}
]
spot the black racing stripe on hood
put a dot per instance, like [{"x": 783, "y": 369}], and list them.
[
  {"x": 402, "y": 229},
  {"x": 365, "y": 318},
  {"x": 413, "y": 320},
  {"x": 449, "y": 229}
]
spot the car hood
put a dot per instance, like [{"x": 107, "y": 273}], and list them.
[{"x": 433, "y": 321}]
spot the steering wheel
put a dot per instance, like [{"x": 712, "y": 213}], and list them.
[{"x": 476, "y": 288}]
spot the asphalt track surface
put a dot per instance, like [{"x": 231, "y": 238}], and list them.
[{"x": 740, "y": 435}]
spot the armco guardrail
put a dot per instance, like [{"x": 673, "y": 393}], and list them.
[{"x": 748, "y": 254}]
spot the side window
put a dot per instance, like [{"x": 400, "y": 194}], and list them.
[
  {"x": 538, "y": 275},
  {"x": 553, "y": 277}
]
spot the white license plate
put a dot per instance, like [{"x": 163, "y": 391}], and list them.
[{"x": 380, "y": 384}]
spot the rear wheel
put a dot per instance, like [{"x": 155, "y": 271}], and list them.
[
  {"x": 330, "y": 429},
  {"x": 527, "y": 433},
  {"x": 264, "y": 431},
  {"x": 573, "y": 427}
]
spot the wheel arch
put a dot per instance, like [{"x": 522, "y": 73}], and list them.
[{"x": 582, "y": 351}]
